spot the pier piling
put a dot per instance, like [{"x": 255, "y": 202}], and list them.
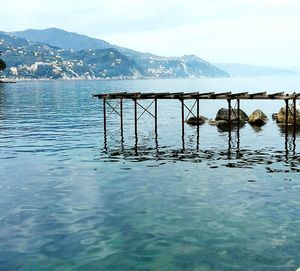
[
  {"x": 104, "y": 115},
  {"x": 182, "y": 118},
  {"x": 155, "y": 114},
  {"x": 196, "y": 96},
  {"x": 135, "y": 118},
  {"x": 294, "y": 116},
  {"x": 229, "y": 113},
  {"x": 286, "y": 115},
  {"x": 121, "y": 116},
  {"x": 198, "y": 124}
]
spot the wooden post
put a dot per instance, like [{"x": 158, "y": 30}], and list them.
[
  {"x": 238, "y": 113},
  {"x": 182, "y": 123},
  {"x": 295, "y": 116},
  {"x": 104, "y": 116},
  {"x": 104, "y": 124},
  {"x": 286, "y": 127},
  {"x": 229, "y": 128},
  {"x": 121, "y": 115},
  {"x": 182, "y": 117},
  {"x": 198, "y": 111},
  {"x": 229, "y": 113},
  {"x": 286, "y": 115},
  {"x": 155, "y": 114},
  {"x": 135, "y": 118},
  {"x": 239, "y": 125}
]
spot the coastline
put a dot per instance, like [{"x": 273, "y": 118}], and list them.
[
  {"x": 8, "y": 81},
  {"x": 15, "y": 80}
]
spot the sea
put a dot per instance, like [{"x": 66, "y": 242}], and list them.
[{"x": 74, "y": 198}]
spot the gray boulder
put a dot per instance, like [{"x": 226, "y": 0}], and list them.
[
  {"x": 195, "y": 120},
  {"x": 281, "y": 116},
  {"x": 258, "y": 118},
  {"x": 223, "y": 115}
]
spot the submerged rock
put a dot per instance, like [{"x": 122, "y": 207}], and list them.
[
  {"x": 258, "y": 118},
  {"x": 223, "y": 115},
  {"x": 281, "y": 115},
  {"x": 195, "y": 120}
]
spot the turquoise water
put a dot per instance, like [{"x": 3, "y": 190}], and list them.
[{"x": 68, "y": 202}]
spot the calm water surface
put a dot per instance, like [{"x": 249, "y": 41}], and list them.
[{"x": 70, "y": 202}]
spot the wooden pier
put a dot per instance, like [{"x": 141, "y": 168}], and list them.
[{"x": 196, "y": 96}]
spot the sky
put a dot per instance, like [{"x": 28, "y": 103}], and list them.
[{"x": 258, "y": 32}]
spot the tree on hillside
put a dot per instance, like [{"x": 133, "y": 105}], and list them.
[{"x": 2, "y": 64}]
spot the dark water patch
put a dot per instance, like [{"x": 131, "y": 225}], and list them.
[{"x": 212, "y": 158}]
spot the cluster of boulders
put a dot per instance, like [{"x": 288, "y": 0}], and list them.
[
  {"x": 280, "y": 116},
  {"x": 257, "y": 118}
]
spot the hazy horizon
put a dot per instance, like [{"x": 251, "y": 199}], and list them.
[{"x": 261, "y": 33}]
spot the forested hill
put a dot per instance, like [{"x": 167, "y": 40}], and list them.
[{"x": 33, "y": 58}]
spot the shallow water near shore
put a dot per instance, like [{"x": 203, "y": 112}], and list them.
[{"x": 71, "y": 200}]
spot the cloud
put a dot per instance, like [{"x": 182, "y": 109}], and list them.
[
  {"x": 256, "y": 31},
  {"x": 275, "y": 42}
]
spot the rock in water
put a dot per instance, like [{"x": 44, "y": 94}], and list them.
[
  {"x": 223, "y": 125},
  {"x": 223, "y": 115},
  {"x": 274, "y": 116},
  {"x": 195, "y": 120},
  {"x": 281, "y": 115},
  {"x": 244, "y": 117},
  {"x": 258, "y": 118}
]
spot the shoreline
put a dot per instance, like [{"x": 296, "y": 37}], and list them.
[
  {"x": 8, "y": 81},
  {"x": 15, "y": 80}
]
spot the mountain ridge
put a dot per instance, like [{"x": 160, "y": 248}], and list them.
[
  {"x": 31, "y": 60},
  {"x": 94, "y": 62},
  {"x": 61, "y": 39}
]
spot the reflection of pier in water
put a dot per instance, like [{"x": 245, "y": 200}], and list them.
[
  {"x": 233, "y": 157},
  {"x": 290, "y": 141}
]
